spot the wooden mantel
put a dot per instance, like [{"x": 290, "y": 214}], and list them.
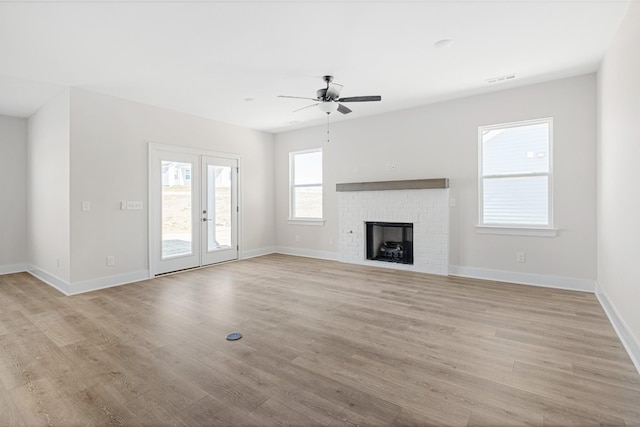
[{"x": 412, "y": 184}]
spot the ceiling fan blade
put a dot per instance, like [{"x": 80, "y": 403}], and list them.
[
  {"x": 361, "y": 98},
  {"x": 343, "y": 109},
  {"x": 297, "y": 97},
  {"x": 333, "y": 91},
  {"x": 308, "y": 106}
]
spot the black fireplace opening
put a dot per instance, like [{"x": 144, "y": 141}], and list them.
[{"x": 390, "y": 242}]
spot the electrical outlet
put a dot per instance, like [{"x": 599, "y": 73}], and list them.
[
  {"x": 86, "y": 206},
  {"x": 111, "y": 261},
  {"x": 521, "y": 257}
]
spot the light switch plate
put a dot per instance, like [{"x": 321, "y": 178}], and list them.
[{"x": 134, "y": 204}]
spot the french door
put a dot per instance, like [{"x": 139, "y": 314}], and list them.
[
  {"x": 193, "y": 215},
  {"x": 219, "y": 209}
]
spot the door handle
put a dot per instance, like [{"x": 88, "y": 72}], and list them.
[{"x": 206, "y": 219}]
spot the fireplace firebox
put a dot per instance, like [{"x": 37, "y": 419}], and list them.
[{"x": 390, "y": 242}]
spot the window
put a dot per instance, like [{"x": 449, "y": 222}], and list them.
[
  {"x": 305, "y": 181},
  {"x": 515, "y": 182}
]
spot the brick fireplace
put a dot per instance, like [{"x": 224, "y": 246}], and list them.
[{"x": 422, "y": 203}]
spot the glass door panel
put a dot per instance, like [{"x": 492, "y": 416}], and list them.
[
  {"x": 174, "y": 220},
  {"x": 220, "y": 215},
  {"x": 219, "y": 203},
  {"x": 177, "y": 228}
]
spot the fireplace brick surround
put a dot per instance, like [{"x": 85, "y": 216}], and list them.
[{"x": 427, "y": 207}]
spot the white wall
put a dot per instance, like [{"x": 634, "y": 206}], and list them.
[
  {"x": 48, "y": 190},
  {"x": 13, "y": 194},
  {"x": 440, "y": 140},
  {"x": 618, "y": 179},
  {"x": 109, "y": 146}
]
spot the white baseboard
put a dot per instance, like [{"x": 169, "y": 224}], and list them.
[
  {"x": 13, "y": 268},
  {"x": 87, "y": 285},
  {"x": 309, "y": 253},
  {"x": 51, "y": 280},
  {"x": 107, "y": 282},
  {"x": 258, "y": 252},
  {"x": 629, "y": 341},
  {"x": 557, "y": 282}
]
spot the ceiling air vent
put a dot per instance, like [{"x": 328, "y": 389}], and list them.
[{"x": 501, "y": 79}]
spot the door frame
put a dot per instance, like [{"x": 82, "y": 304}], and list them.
[{"x": 154, "y": 220}]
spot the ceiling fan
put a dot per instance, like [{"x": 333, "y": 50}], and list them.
[{"x": 328, "y": 99}]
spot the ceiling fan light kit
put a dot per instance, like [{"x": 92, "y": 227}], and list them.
[{"x": 328, "y": 107}]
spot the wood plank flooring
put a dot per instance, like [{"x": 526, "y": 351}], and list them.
[{"x": 325, "y": 344}]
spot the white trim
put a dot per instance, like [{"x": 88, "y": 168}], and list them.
[
  {"x": 107, "y": 282},
  {"x": 309, "y": 253},
  {"x": 192, "y": 150},
  {"x": 252, "y": 253},
  {"x": 556, "y": 282},
  {"x": 87, "y": 285},
  {"x": 629, "y": 341},
  {"x": 313, "y": 222},
  {"x": 517, "y": 231},
  {"x": 13, "y": 268},
  {"x": 51, "y": 280}
]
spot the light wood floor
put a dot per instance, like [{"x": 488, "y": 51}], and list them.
[{"x": 324, "y": 343}]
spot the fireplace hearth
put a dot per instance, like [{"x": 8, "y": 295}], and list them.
[{"x": 390, "y": 242}]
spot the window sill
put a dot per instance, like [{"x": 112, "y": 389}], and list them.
[
  {"x": 314, "y": 222},
  {"x": 517, "y": 231}
]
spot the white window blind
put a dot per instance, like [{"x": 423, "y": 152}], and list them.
[
  {"x": 515, "y": 174},
  {"x": 305, "y": 180}
]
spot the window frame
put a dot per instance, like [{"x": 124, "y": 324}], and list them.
[
  {"x": 545, "y": 230},
  {"x": 292, "y": 187}
]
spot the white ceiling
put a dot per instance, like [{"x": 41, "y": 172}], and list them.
[{"x": 206, "y": 57}]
